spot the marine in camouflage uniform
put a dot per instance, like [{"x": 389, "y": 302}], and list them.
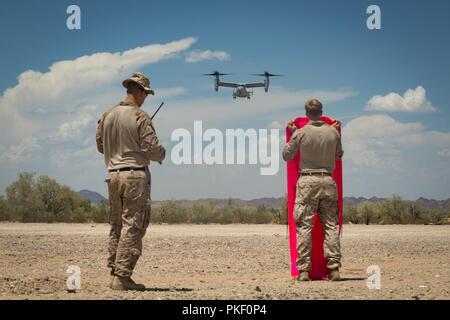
[
  {"x": 127, "y": 138},
  {"x": 320, "y": 146}
]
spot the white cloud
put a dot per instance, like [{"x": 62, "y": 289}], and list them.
[
  {"x": 71, "y": 78},
  {"x": 380, "y": 126},
  {"x": 21, "y": 151},
  {"x": 383, "y": 156},
  {"x": 444, "y": 153},
  {"x": 70, "y": 83},
  {"x": 76, "y": 157},
  {"x": 170, "y": 92},
  {"x": 413, "y": 100},
  {"x": 375, "y": 141},
  {"x": 197, "y": 55},
  {"x": 73, "y": 129}
]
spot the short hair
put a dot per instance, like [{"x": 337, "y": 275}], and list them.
[
  {"x": 313, "y": 108},
  {"x": 133, "y": 88}
]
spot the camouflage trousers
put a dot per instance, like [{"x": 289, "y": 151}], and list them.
[
  {"x": 317, "y": 194},
  {"x": 129, "y": 217}
]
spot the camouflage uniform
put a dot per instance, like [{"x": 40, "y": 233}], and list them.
[
  {"x": 127, "y": 138},
  {"x": 130, "y": 208},
  {"x": 317, "y": 193},
  {"x": 319, "y": 145}
]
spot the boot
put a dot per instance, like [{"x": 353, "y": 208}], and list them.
[
  {"x": 126, "y": 283},
  {"x": 304, "y": 276},
  {"x": 334, "y": 275},
  {"x": 111, "y": 278}
]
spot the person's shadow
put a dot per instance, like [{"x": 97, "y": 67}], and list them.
[
  {"x": 353, "y": 278},
  {"x": 169, "y": 289}
]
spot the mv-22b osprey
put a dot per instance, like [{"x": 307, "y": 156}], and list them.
[{"x": 240, "y": 90}]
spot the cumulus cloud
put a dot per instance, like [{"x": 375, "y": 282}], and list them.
[
  {"x": 84, "y": 74},
  {"x": 70, "y": 83},
  {"x": 73, "y": 129},
  {"x": 413, "y": 100},
  {"x": 197, "y": 55},
  {"x": 21, "y": 151},
  {"x": 384, "y": 156},
  {"x": 375, "y": 141}
]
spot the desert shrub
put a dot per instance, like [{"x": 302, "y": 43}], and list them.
[
  {"x": 367, "y": 212},
  {"x": 437, "y": 216},
  {"x": 156, "y": 215},
  {"x": 350, "y": 215},
  {"x": 4, "y": 210},
  {"x": 204, "y": 213},
  {"x": 414, "y": 214},
  {"x": 99, "y": 213},
  {"x": 225, "y": 215},
  {"x": 263, "y": 215},
  {"x": 173, "y": 213},
  {"x": 282, "y": 213},
  {"x": 393, "y": 210},
  {"x": 42, "y": 199},
  {"x": 25, "y": 204}
]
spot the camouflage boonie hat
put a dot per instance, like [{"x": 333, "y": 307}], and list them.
[
  {"x": 313, "y": 106},
  {"x": 141, "y": 79}
]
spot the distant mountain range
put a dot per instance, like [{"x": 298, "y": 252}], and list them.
[
  {"x": 422, "y": 202},
  {"x": 92, "y": 196},
  {"x": 272, "y": 202}
]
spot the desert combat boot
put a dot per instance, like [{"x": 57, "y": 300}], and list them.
[
  {"x": 126, "y": 283},
  {"x": 334, "y": 275},
  {"x": 111, "y": 278},
  {"x": 304, "y": 276}
]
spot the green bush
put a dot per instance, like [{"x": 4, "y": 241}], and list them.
[
  {"x": 394, "y": 210},
  {"x": 204, "y": 213},
  {"x": 4, "y": 210},
  {"x": 42, "y": 199},
  {"x": 282, "y": 212},
  {"x": 367, "y": 212},
  {"x": 350, "y": 215}
]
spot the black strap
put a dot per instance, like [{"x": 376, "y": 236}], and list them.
[{"x": 127, "y": 169}]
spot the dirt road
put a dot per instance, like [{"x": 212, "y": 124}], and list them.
[{"x": 222, "y": 262}]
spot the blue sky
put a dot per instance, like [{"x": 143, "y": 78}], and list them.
[{"x": 322, "y": 48}]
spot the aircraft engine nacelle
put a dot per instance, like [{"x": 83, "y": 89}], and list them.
[
  {"x": 266, "y": 84},
  {"x": 216, "y": 84}
]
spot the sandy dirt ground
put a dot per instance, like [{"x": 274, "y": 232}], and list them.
[{"x": 222, "y": 262}]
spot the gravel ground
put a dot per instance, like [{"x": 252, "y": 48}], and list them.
[{"x": 222, "y": 262}]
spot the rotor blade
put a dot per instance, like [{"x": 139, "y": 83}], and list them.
[
  {"x": 267, "y": 74},
  {"x": 216, "y": 74}
]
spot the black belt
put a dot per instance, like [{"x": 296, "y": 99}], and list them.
[
  {"x": 127, "y": 169},
  {"x": 315, "y": 174}
]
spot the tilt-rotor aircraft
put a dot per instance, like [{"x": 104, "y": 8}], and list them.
[{"x": 240, "y": 90}]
